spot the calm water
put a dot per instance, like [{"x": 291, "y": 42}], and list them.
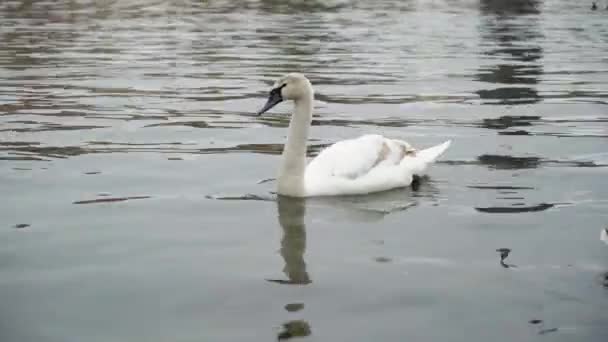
[{"x": 131, "y": 169}]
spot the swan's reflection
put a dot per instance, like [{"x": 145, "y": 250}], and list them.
[
  {"x": 369, "y": 208},
  {"x": 293, "y": 243}
]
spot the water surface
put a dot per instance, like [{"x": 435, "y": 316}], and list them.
[{"x": 134, "y": 206}]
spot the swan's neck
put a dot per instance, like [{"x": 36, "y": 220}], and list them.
[{"x": 293, "y": 165}]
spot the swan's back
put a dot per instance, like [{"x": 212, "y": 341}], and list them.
[
  {"x": 367, "y": 164},
  {"x": 350, "y": 158}
]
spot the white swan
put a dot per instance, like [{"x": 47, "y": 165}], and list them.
[{"x": 367, "y": 164}]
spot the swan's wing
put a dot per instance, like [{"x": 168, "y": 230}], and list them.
[
  {"x": 418, "y": 163},
  {"x": 354, "y": 158}
]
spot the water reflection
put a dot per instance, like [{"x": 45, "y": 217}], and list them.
[
  {"x": 512, "y": 40},
  {"x": 293, "y": 243},
  {"x": 296, "y": 328},
  {"x": 291, "y": 213},
  {"x": 298, "y": 6}
]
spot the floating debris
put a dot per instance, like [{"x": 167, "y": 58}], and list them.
[
  {"x": 535, "y": 321},
  {"x": 293, "y": 307},
  {"x": 21, "y": 225},
  {"x": 92, "y": 173}
]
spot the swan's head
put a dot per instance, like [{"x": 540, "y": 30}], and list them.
[{"x": 292, "y": 86}]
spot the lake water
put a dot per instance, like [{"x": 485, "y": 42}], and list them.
[{"x": 134, "y": 205}]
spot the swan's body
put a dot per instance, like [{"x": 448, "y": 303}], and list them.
[{"x": 363, "y": 165}]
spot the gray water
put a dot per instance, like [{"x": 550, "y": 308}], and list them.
[{"x": 133, "y": 203}]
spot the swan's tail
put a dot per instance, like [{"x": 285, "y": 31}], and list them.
[
  {"x": 430, "y": 154},
  {"x": 418, "y": 164}
]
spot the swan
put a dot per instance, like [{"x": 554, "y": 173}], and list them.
[{"x": 363, "y": 165}]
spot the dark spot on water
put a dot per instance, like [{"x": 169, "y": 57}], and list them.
[
  {"x": 92, "y": 173},
  {"x": 351, "y": 123},
  {"x": 518, "y": 204},
  {"x": 503, "y": 264},
  {"x": 415, "y": 182},
  {"x": 266, "y": 180},
  {"x": 21, "y": 225},
  {"x": 507, "y": 121},
  {"x": 195, "y": 124},
  {"x": 382, "y": 259},
  {"x": 50, "y": 151},
  {"x": 22, "y": 169},
  {"x": 602, "y": 279},
  {"x": 289, "y": 282},
  {"x": 246, "y": 197},
  {"x": 175, "y": 158},
  {"x": 112, "y": 143},
  {"x": 378, "y": 242},
  {"x": 518, "y": 132},
  {"x": 274, "y": 149},
  {"x": 535, "y": 321},
  {"x": 500, "y": 187},
  {"x": 298, "y": 328},
  {"x": 18, "y": 143},
  {"x": 511, "y": 198},
  {"x": 113, "y": 199},
  {"x": 504, "y": 253},
  {"x": 28, "y": 158},
  {"x": 508, "y": 162},
  {"x": 512, "y": 210},
  {"x": 42, "y": 127},
  {"x": 547, "y": 331},
  {"x": 103, "y": 194},
  {"x": 293, "y": 307}
]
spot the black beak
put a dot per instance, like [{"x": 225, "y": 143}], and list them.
[{"x": 273, "y": 99}]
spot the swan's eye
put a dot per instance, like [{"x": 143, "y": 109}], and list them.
[{"x": 277, "y": 90}]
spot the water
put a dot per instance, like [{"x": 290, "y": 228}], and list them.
[{"x": 133, "y": 204}]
